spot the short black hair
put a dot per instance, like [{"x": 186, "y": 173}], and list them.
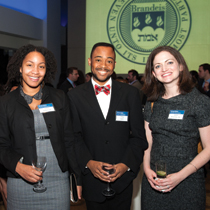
[
  {"x": 70, "y": 70},
  {"x": 90, "y": 74},
  {"x": 102, "y": 44},
  {"x": 134, "y": 73},
  {"x": 206, "y": 66},
  {"x": 194, "y": 74}
]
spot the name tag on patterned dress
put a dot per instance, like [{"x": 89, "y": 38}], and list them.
[
  {"x": 176, "y": 114},
  {"x": 44, "y": 108}
]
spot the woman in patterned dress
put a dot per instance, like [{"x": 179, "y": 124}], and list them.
[
  {"x": 26, "y": 131},
  {"x": 176, "y": 115}
]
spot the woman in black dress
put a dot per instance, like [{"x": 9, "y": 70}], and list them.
[{"x": 176, "y": 115}]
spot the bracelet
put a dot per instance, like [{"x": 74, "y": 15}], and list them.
[{"x": 194, "y": 166}]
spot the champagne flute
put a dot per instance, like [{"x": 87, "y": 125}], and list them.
[
  {"x": 39, "y": 164},
  {"x": 108, "y": 191}
]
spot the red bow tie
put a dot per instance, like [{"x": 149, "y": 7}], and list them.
[{"x": 105, "y": 89}]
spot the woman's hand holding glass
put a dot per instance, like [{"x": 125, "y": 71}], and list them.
[
  {"x": 40, "y": 164},
  {"x": 158, "y": 180},
  {"x": 152, "y": 178},
  {"x": 170, "y": 182},
  {"x": 28, "y": 172},
  {"x": 162, "y": 185}
]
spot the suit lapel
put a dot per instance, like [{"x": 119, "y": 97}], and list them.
[{"x": 115, "y": 98}]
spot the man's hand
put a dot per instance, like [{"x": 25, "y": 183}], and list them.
[
  {"x": 120, "y": 169},
  {"x": 96, "y": 168}
]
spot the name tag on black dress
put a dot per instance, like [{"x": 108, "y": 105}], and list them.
[{"x": 176, "y": 114}]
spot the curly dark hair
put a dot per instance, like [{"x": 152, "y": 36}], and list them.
[{"x": 13, "y": 67}]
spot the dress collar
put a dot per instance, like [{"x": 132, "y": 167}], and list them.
[{"x": 29, "y": 99}]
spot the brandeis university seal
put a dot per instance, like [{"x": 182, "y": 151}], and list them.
[{"x": 136, "y": 27}]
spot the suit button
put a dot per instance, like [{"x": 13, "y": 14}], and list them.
[
  {"x": 49, "y": 126},
  {"x": 107, "y": 123},
  {"x": 106, "y": 142}
]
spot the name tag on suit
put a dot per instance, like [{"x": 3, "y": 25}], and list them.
[{"x": 121, "y": 116}]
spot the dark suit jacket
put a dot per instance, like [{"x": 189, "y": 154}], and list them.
[
  {"x": 138, "y": 85},
  {"x": 66, "y": 86},
  {"x": 107, "y": 140},
  {"x": 17, "y": 134}
]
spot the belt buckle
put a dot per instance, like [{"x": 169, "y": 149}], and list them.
[{"x": 40, "y": 137}]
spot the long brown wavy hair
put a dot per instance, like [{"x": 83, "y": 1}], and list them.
[{"x": 154, "y": 88}]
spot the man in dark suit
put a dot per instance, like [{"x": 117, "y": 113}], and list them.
[
  {"x": 204, "y": 76},
  {"x": 109, "y": 129},
  {"x": 69, "y": 83},
  {"x": 133, "y": 80}
]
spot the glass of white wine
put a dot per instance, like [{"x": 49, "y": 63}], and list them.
[{"x": 40, "y": 164}]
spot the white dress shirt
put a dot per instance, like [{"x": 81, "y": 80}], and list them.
[{"x": 103, "y": 99}]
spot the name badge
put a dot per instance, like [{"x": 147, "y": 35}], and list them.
[
  {"x": 176, "y": 114},
  {"x": 121, "y": 116},
  {"x": 44, "y": 108}
]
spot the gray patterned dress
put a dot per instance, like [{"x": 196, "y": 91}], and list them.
[
  {"x": 175, "y": 141},
  {"x": 21, "y": 194}
]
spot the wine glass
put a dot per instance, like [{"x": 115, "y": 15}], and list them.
[
  {"x": 39, "y": 164},
  {"x": 108, "y": 191}
]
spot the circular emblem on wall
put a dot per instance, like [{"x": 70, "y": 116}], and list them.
[{"x": 136, "y": 27}]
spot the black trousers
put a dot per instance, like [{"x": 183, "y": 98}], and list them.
[{"x": 120, "y": 201}]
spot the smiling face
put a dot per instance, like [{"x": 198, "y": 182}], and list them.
[
  {"x": 33, "y": 70},
  {"x": 166, "y": 68},
  {"x": 102, "y": 64}
]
